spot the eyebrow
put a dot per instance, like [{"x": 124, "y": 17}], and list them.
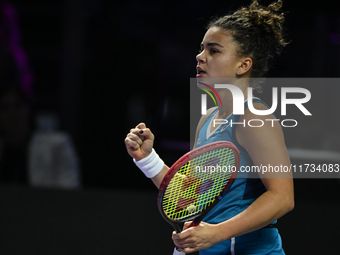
[{"x": 212, "y": 44}]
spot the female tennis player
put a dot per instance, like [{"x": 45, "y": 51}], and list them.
[{"x": 235, "y": 46}]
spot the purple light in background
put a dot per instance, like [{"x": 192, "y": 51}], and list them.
[
  {"x": 10, "y": 34},
  {"x": 334, "y": 38}
]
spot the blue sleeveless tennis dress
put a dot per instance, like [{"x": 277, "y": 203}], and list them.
[{"x": 242, "y": 193}]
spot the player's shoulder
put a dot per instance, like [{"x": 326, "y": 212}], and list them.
[
  {"x": 258, "y": 106},
  {"x": 255, "y": 124}
]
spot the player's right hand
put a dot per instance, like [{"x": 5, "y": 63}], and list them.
[{"x": 139, "y": 142}]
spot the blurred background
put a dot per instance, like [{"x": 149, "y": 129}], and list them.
[{"x": 87, "y": 72}]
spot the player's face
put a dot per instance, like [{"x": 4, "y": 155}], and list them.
[{"x": 218, "y": 57}]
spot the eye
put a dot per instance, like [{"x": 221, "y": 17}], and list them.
[
  {"x": 200, "y": 50},
  {"x": 213, "y": 51}
]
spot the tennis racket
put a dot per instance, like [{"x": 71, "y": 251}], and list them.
[{"x": 196, "y": 182}]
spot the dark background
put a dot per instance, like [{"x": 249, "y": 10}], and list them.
[{"x": 102, "y": 67}]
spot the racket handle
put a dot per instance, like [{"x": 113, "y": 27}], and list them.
[
  {"x": 176, "y": 252},
  {"x": 178, "y": 230},
  {"x": 192, "y": 224},
  {"x": 195, "y": 222}
]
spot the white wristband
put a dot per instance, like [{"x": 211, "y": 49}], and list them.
[{"x": 151, "y": 165}]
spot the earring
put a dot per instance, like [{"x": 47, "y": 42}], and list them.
[{"x": 239, "y": 71}]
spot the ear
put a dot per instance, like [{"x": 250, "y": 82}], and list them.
[{"x": 244, "y": 66}]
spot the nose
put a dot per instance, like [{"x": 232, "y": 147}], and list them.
[{"x": 200, "y": 57}]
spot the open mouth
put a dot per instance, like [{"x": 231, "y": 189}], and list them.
[{"x": 200, "y": 70}]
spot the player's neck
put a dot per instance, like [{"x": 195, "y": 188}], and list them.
[{"x": 226, "y": 108}]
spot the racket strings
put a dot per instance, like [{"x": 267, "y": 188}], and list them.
[{"x": 198, "y": 183}]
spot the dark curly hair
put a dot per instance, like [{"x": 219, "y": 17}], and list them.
[{"x": 258, "y": 32}]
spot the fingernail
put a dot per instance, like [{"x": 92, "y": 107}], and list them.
[{"x": 141, "y": 131}]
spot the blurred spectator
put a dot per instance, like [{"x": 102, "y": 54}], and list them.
[
  {"x": 27, "y": 155},
  {"x": 38, "y": 158}
]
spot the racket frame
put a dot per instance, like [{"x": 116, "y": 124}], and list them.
[{"x": 182, "y": 161}]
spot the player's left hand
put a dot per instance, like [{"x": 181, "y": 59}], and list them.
[{"x": 196, "y": 238}]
